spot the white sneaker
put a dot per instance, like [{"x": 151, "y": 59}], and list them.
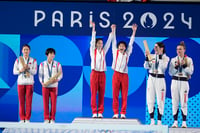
[
  {"x": 152, "y": 122},
  {"x": 115, "y": 116},
  {"x": 21, "y": 121},
  {"x": 94, "y": 116},
  {"x": 175, "y": 125},
  {"x": 52, "y": 122},
  {"x": 100, "y": 115},
  {"x": 184, "y": 125},
  {"x": 123, "y": 116},
  {"x": 27, "y": 121},
  {"x": 159, "y": 122},
  {"x": 46, "y": 121}
]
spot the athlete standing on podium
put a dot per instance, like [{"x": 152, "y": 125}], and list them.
[
  {"x": 120, "y": 81},
  {"x": 181, "y": 68},
  {"x": 25, "y": 67},
  {"x": 98, "y": 66},
  {"x": 47, "y": 70},
  {"x": 156, "y": 86}
]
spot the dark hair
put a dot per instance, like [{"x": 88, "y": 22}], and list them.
[
  {"x": 161, "y": 45},
  {"x": 50, "y": 50},
  {"x": 26, "y": 45},
  {"x": 98, "y": 39},
  {"x": 123, "y": 42},
  {"x": 182, "y": 43}
]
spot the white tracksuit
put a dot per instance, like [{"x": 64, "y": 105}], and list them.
[
  {"x": 98, "y": 77},
  {"x": 22, "y": 79},
  {"x": 120, "y": 81},
  {"x": 156, "y": 86},
  {"x": 98, "y": 61},
  {"x": 44, "y": 74},
  {"x": 120, "y": 60},
  {"x": 25, "y": 86},
  {"x": 179, "y": 84}
]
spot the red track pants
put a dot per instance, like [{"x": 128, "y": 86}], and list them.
[
  {"x": 97, "y": 84},
  {"x": 25, "y": 94},
  {"x": 52, "y": 94},
  {"x": 120, "y": 81}
]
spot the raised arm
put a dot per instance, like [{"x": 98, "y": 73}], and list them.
[
  {"x": 130, "y": 45},
  {"x": 92, "y": 43},
  {"x": 147, "y": 63},
  {"x": 114, "y": 41},
  {"x": 110, "y": 38}
]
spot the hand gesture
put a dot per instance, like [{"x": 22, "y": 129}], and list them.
[
  {"x": 113, "y": 28},
  {"x": 26, "y": 67},
  {"x": 182, "y": 62},
  {"x": 134, "y": 27},
  {"x": 22, "y": 70},
  {"x": 177, "y": 63},
  {"x": 147, "y": 53},
  {"x": 55, "y": 80}
]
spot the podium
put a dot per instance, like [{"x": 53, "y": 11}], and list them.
[
  {"x": 84, "y": 125},
  {"x": 106, "y": 121}
]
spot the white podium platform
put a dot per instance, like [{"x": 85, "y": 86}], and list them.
[
  {"x": 90, "y": 125},
  {"x": 84, "y": 125},
  {"x": 184, "y": 130},
  {"x": 106, "y": 121}
]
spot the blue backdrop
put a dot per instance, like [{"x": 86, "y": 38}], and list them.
[{"x": 66, "y": 28}]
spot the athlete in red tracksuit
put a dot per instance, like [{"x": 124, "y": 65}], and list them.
[
  {"x": 48, "y": 69},
  {"x": 98, "y": 77},
  {"x": 25, "y": 83},
  {"x": 120, "y": 76}
]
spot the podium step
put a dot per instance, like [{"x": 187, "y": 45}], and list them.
[
  {"x": 106, "y": 121},
  {"x": 15, "y": 127},
  {"x": 184, "y": 130}
]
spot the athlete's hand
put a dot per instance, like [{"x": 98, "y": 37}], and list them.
[
  {"x": 134, "y": 27},
  {"x": 22, "y": 70},
  {"x": 183, "y": 62},
  {"x": 147, "y": 53},
  {"x": 113, "y": 28}
]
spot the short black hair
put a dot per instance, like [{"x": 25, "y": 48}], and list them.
[
  {"x": 123, "y": 42},
  {"x": 50, "y": 50},
  {"x": 161, "y": 45},
  {"x": 26, "y": 45}
]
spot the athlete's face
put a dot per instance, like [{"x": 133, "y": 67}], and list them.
[
  {"x": 26, "y": 51},
  {"x": 180, "y": 51},
  {"x": 156, "y": 49},
  {"x": 50, "y": 56},
  {"x": 122, "y": 47},
  {"x": 99, "y": 44}
]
